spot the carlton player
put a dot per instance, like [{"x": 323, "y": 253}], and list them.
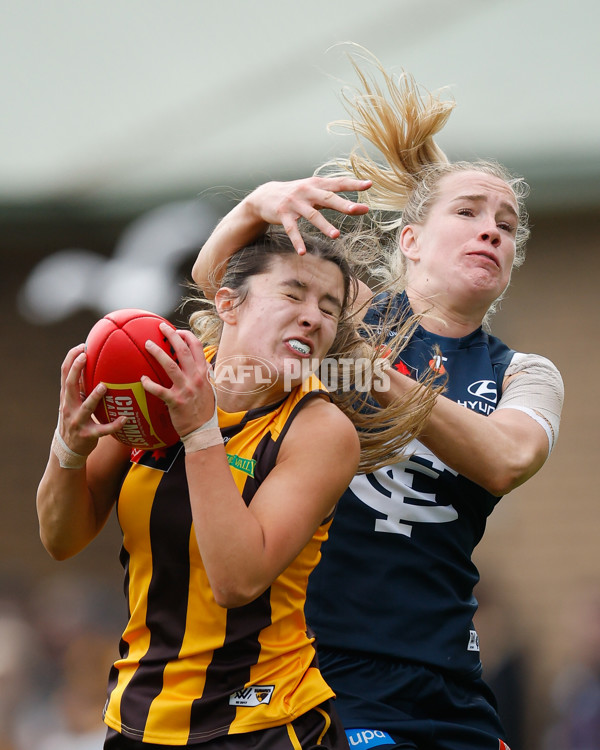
[{"x": 392, "y": 600}]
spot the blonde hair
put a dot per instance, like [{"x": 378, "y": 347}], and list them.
[{"x": 400, "y": 119}]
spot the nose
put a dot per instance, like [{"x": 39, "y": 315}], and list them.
[
  {"x": 490, "y": 233},
  {"x": 309, "y": 315}
]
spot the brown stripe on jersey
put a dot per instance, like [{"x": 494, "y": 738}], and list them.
[
  {"x": 261, "y": 411},
  {"x": 170, "y": 528},
  {"x": 268, "y": 449},
  {"x": 231, "y": 431},
  {"x": 265, "y": 456},
  {"x": 229, "y": 669}
]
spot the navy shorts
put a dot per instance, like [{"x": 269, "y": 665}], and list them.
[
  {"x": 317, "y": 729},
  {"x": 390, "y": 704}
]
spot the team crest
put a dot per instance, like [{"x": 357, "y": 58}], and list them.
[
  {"x": 437, "y": 364},
  {"x": 255, "y": 695}
]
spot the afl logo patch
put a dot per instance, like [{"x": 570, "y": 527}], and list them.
[{"x": 485, "y": 389}]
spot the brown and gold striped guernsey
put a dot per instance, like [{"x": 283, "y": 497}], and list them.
[{"x": 190, "y": 670}]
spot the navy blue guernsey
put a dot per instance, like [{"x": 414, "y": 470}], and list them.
[{"x": 396, "y": 577}]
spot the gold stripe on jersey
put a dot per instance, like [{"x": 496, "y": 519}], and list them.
[{"x": 190, "y": 670}]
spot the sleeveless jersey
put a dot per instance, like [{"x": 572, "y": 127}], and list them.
[
  {"x": 396, "y": 577},
  {"x": 191, "y": 670}
]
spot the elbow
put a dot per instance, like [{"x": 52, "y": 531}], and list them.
[
  {"x": 234, "y": 594},
  {"x": 196, "y": 275},
  {"x": 229, "y": 600},
  {"x": 201, "y": 278},
  {"x": 502, "y": 485},
  {"x": 499, "y": 485},
  {"x": 56, "y": 548},
  {"x": 59, "y": 555},
  {"x": 57, "y": 552},
  {"x": 504, "y": 479}
]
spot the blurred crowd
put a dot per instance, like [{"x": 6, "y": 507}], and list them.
[
  {"x": 59, "y": 637},
  {"x": 575, "y": 692}
]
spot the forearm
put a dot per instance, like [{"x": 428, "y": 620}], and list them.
[
  {"x": 74, "y": 504},
  {"x": 66, "y": 513},
  {"x": 237, "y": 229},
  {"x": 230, "y": 539},
  {"x": 499, "y": 452}
]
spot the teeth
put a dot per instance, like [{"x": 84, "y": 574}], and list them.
[{"x": 299, "y": 346}]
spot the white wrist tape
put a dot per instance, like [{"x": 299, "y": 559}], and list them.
[
  {"x": 206, "y": 435},
  {"x": 67, "y": 458}
]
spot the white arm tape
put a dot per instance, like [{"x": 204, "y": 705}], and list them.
[
  {"x": 67, "y": 458},
  {"x": 207, "y": 434},
  {"x": 537, "y": 390}
]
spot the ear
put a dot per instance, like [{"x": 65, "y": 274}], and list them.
[
  {"x": 409, "y": 241},
  {"x": 225, "y": 302}
]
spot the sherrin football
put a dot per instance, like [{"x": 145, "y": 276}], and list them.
[{"x": 117, "y": 357}]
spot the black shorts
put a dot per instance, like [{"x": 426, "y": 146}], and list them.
[
  {"x": 390, "y": 704},
  {"x": 318, "y": 729}
]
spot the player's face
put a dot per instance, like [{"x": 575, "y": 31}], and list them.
[
  {"x": 290, "y": 315},
  {"x": 466, "y": 246}
]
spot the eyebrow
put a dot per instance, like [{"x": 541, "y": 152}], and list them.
[
  {"x": 297, "y": 284},
  {"x": 482, "y": 198}
]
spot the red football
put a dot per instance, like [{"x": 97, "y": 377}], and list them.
[{"x": 117, "y": 357}]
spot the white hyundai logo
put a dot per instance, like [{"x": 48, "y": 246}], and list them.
[{"x": 483, "y": 389}]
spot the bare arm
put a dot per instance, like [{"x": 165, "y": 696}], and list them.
[
  {"x": 280, "y": 203},
  {"x": 498, "y": 452},
  {"x": 244, "y": 548},
  {"x": 74, "y": 504}
]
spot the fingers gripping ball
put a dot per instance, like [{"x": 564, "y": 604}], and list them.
[{"x": 117, "y": 357}]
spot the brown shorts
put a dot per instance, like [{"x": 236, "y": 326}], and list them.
[{"x": 317, "y": 729}]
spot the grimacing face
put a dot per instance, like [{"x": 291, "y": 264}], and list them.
[
  {"x": 290, "y": 313},
  {"x": 465, "y": 248}
]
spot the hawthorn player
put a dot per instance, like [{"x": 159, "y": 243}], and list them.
[{"x": 219, "y": 539}]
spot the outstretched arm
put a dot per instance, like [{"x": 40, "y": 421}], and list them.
[
  {"x": 500, "y": 451},
  {"x": 282, "y": 203}
]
